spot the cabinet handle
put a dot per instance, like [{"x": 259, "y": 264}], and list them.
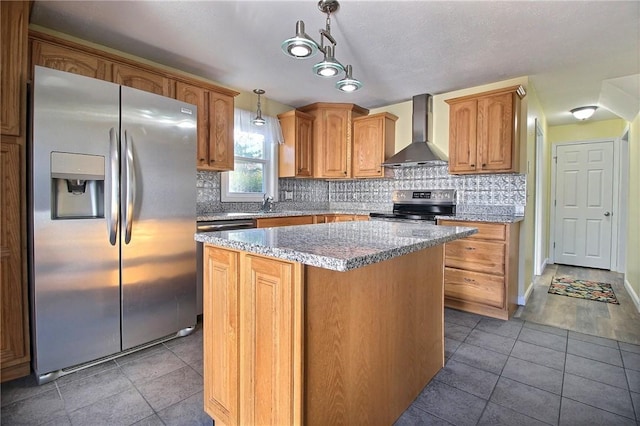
[
  {"x": 469, "y": 248},
  {"x": 468, "y": 280},
  {"x": 473, "y": 165}
]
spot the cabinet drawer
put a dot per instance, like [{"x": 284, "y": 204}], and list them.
[
  {"x": 486, "y": 231},
  {"x": 474, "y": 287},
  {"x": 478, "y": 256},
  {"x": 284, "y": 221}
]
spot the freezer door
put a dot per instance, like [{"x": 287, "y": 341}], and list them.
[
  {"x": 158, "y": 216},
  {"x": 74, "y": 280}
]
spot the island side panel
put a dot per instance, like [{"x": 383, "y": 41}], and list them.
[{"x": 374, "y": 337}]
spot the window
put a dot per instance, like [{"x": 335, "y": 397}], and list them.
[{"x": 255, "y": 166}]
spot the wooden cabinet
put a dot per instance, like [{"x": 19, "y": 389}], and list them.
[
  {"x": 331, "y": 218},
  {"x": 484, "y": 132},
  {"x": 252, "y": 339},
  {"x": 481, "y": 271},
  {"x": 296, "y": 153},
  {"x": 215, "y": 126},
  {"x": 373, "y": 142},
  {"x": 269, "y": 222},
  {"x": 15, "y": 354},
  {"x": 332, "y": 142},
  {"x": 70, "y": 60},
  {"x": 141, "y": 79}
]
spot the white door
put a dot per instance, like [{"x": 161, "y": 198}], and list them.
[{"x": 583, "y": 207}]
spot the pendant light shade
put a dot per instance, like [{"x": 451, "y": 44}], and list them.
[
  {"x": 301, "y": 46},
  {"x": 258, "y": 121},
  {"x": 584, "y": 113},
  {"x": 329, "y": 67},
  {"x": 348, "y": 83}
]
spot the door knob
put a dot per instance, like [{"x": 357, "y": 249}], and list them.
[{"x": 607, "y": 214}]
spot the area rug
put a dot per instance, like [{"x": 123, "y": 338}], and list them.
[{"x": 583, "y": 289}]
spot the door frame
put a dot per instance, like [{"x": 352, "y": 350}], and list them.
[
  {"x": 539, "y": 258},
  {"x": 617, "y": 228}
]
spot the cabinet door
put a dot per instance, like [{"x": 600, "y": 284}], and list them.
[
  {"x": 199, "y": 97},
  {"x": 295, "y": 154},
  {"x": 495, "y": 132},
  {"x": 220, "y": 132},
  {"x": 271, "y": 342},
  {"x": 13, "y": 40},
  {"x": 69, "y": 60},
  {"x": 304, "y": 147},
  {"x": 368, "y": 147},
  {"x": 474, "y": 287},
  {"x": 14, "y": 345},
  {"x": 335, "y": 147},
  {"x": 221, "y": 334},
  {"x": 142, "y": 80},
  {"x": 463, "y": 136}
]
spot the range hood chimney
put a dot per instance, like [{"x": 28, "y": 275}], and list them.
[{"x": 418, "y": 152}]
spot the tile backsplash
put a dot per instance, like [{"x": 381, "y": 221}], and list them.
[{"x": 494, "y": 193}]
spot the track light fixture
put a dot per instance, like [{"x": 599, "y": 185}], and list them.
[
  {"x": 584, "y": 112},
  {"x": 302, "y": 46},
  {"x": 258, "y": 121}
]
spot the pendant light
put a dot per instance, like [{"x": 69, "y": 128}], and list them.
[
  {"x": 258, "y": 121},
  {"x": 348, "y": 84}
]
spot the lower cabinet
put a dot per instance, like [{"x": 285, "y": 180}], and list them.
[
  {"x": 481, "y": 271},
  {"x": 330, "y": 218},
  {"x": 269, "y": 222},
  {"x": 253, "y": 355}
]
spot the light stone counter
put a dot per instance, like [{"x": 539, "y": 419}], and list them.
[
  {"x": 341, "y": 246},
  {"x": 493, "y": 218},
  {"x": 258, "y": 215}
]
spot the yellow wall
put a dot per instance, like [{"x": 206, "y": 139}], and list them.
[
  {"x": 587, "y": 130},
  {"x": 404, "y": 128},
  {"x": 632, "y": 273}
]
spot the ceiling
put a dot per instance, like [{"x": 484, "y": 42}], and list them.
[{"x": 397, "y": 48}]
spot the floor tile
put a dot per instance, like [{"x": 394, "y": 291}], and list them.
[
  {"x": 546, "y": 328},
  {"x": 593, "y": 339},
  {"x": 594, "y": 351},
  {"x": 456, "y": 332},
  {"x": 134, "y": 356},
  {"x": 122, "y": 409},
  {"x": 80, "y": 393},
  {"x": 450, "y": 346},
  {"x": 444, "y": 401},
  {"x": 597, "y": 394},
  {"x": 35, "y": 410},
  {"x": 541, "y": 338},
  {"x": 497, "y": 415},
  {"x": 635, "y": 398},
  {"x": 535, "y": 375},
  {"x": 629, "y": 347},
  {"x": 490, "y": 341},
  {"x": 188, "y": 412},
  {"x": 575, "y": 413},
  {"x": 189, "y": 351},
  {"x": 171, "y": 388},
  {"x": 480, "y": 358},
  {"x": 414, "y": 416},
  {"x": 198, "y": 368},
  {"x": 451, "y": 316},
  {"x": 22, "y": 388},
  {"x": 631, "y": 360},
  {"x": 86, "y": 372},
  {"x": 467, "y": 378},
  {"x": 59, "y": 421},
  {"x": 596, "y": 370},
  {"x": 152, "y": 420},
  {"x": 633, "y": 379},
  {"x": 527, "y": 400},
  {"x": 539, "y": 355},
  {"x": 148, "y": 368},
  {"x": 503, "y": 328}
]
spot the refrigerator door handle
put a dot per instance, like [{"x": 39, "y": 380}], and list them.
[
  {"x": 112, "y": 208},
  {"x": 130, "y": 187}
]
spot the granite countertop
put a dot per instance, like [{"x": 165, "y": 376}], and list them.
[
  {"x": 258, "y": 215},
  {"x": 338, "y": 246},
  {"x": 470, "y": 217}
]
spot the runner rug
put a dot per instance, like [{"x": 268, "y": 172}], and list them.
[{"x": 583, "y": 289}]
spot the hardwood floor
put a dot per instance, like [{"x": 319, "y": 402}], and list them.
[{"x": 619, "y": 322}]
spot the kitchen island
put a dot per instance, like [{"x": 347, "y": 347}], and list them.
[{"x": 338, "y": 323}]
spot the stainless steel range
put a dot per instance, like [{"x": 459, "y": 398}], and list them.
[{"x": 419, "y": 205}]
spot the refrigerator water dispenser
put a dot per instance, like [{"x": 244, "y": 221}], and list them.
[{"x": 77, "y": 184}]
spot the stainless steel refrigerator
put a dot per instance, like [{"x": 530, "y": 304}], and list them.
[{"x": 112, "y": 218}]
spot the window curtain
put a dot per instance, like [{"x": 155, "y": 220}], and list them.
[{"x": 271, "y": 130}]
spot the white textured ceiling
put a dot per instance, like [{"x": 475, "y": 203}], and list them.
[{"x": 397, "y": 48}]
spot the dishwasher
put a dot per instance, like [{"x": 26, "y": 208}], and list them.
[{"x": 210, "y": 226}]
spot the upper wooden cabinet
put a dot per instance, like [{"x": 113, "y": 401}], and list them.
[
  {"x": 296, "y": 153},
  {"x": 332, "y": 137},
  {"x": 215, "y": 126},
  {"x": 143, "y": 80},
  {"x": 373, "y": 142},
  {"x": 215, "y": 104},
  {"x": 483, "y": 132}
]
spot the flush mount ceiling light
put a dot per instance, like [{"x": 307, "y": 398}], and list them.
[
  {"x": 258, "y": 121},
  {"x": 302, "y": 46},
  {"x": 584, "y": 112}
]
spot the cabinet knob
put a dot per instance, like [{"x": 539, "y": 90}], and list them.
[
  {"x": 345, "y": 173},
  {"x": 469, "y": 248},
  {"x": 473, "y": 165},
  {"x": 484, "y": 165}
]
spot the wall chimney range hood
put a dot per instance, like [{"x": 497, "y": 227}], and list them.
[{"x": 418, "y": 152}]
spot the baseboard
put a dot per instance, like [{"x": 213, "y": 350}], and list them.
[
  {"x": 633, "y": 294},
  {"x": 545, "y": 262},
  {"x": 522, "y": 300}
]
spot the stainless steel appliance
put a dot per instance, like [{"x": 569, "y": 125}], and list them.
[
  {"x": 112, "y": 217},
  {"x": 210, "y": 226},
  {"x": 420, "y": 205}
]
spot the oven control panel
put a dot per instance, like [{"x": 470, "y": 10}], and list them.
[{"x": 430, "y": 196}]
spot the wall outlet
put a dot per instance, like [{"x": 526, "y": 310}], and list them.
[{"x": 288, "y": 195}]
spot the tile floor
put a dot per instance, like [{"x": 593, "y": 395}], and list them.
[{"x": 497, "y": 373}]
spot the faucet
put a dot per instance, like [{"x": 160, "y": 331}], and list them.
[{"x": 267, "y": 204}]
